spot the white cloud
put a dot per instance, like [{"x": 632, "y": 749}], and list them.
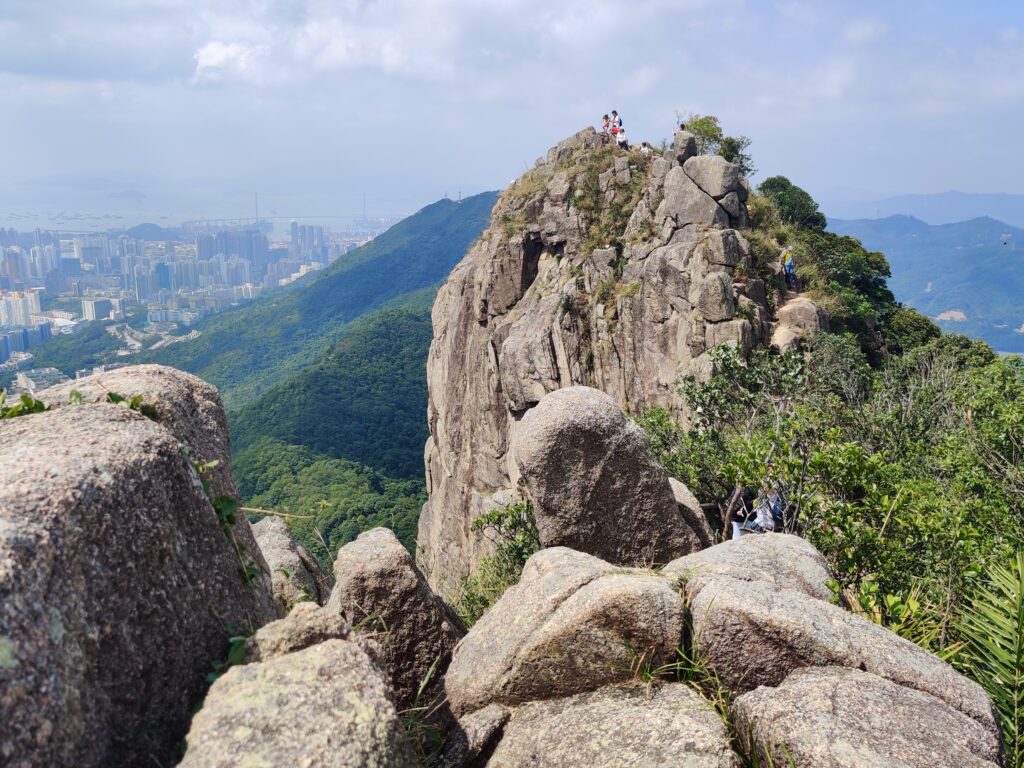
[
  {"x": 217, "y": 61},
  {"x": 864, "y": 31}
]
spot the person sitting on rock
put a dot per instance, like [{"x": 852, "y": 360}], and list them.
[
  {"x": 620, "y": 139},
  {"x": 741, "y": 510}
]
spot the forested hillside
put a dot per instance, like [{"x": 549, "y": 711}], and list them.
[
  {"x": 331, "y": 431},
  {"x": 248, "y": 351},
  {"x": 968, "y": 277},
  {"x": 365, "y": 399}
]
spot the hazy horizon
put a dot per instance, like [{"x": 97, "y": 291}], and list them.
[{"x": 169, "y": 110}]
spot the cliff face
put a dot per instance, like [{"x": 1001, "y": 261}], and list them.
[{"x": 612, "y": 269}]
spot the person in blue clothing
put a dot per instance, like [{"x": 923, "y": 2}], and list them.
[{"x": 789, "y": 269}]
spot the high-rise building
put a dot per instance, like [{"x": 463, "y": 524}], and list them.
[
  {"x": 17, "y": 308},
  {"x": 90, "y": 251},
  {"x": 96, "y": 309}
]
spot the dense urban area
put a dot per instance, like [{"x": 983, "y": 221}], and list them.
[{"x": 147, "y": 286}]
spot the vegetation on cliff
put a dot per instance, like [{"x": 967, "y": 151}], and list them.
[{"x": 900, "y": 449}]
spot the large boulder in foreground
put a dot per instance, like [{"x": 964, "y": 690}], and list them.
[
  {"x": 296, "y": 575},
  {"x": 845, "y": 718},
  {"x": 753, "y": 634},
  {"x": 638, "y": 726},
  {"x": 573, "y": 623},
  {"x": 192, "y": 411},
  {"x": 326, "y": 706},
  {"x": 781, "y": 561},
  {"x": 381, "y": 592},
  {"x": 118, "y": 587},
  {"x": 595, "y": 485}
]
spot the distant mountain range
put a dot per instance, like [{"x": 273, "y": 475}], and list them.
[
  {"x": 968, "y": 276},
  {"x": 940, "y": 208}
]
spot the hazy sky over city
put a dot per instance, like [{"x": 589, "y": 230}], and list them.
[{"x": 186, "y": 108}]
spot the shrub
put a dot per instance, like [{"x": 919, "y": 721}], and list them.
[{"x": 513, "y": 530}]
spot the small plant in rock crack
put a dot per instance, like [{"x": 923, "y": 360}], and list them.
[
  {"x": 234, "y": 657},
  {"x": 226, "y": 509},
  {"x": 23, "y": 406},
  {"x": 133, "y": 403},
  {"x": 423, "y": 730}
]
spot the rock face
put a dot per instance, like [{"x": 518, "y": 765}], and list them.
[
  {"x": 308, "y": 624},
  {"x": 116, "y": 587},
  {"x": 295, "y": 573},
  {"x": 797, "y": 318},
  {"x": 381, "y": 592},
  {"x": 573, "y": 623},
  {"x": 780, "y": 561},
  {"x": 754, "y": 634},
  {"x": 595, "y": 485},
  {"x": 538, "y": 681},
  {"x": 691, "y": 512},
  {"x": 844, "y": 718},
  {"x": 641, "y": 727},
  {"x": 192, "y": 411},
  {"x": 326, "y": 705},
  {"x": 561, "y": 290},
  {"x": 474, "y": 737}
]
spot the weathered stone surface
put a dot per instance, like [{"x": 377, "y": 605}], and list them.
[
  {"x": 737, "y": 332},
  {"x": 116, "y": 585},
  {"x": 595, "y": 485},
  {"x": 754, "y": 634},
  {"x": 713, "y": 174},
  {"x": 731, "y": 204},
  {"x": 529, "y": 311},
  {"x": 638, "y": 726},
  {"x": 715, "y": 297},
  {"x": 192, "y": 411},
  {"x": 381, "y": 592},
  {"x": 573, "y": 623},
  {"x": 474, "y": 737},
  {"x": 722, "y": 247},
  {"x": 797, "y": 318},
  {"x": 844, "y": 718},
  {"x": 684, "y": 146},
  {"x": 323, "y": 706},
  {"x": 692, "y": 513},
  {"x": 685, "y": 202},
  {"x": 295, "y": 573},
  {"x": 781, "y": 561},
  {"x": 306, "y": 625}
]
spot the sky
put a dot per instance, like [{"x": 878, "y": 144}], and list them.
[{"x": 178, "y": 109}]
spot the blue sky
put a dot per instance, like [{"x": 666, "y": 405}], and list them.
[{"x": 185, "y": 108}]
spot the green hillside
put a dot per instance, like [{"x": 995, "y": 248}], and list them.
[
  {"x": 365, "y": 399},
  {"x": 968, "y": 277},
  {"x": 248, "y": 351}
]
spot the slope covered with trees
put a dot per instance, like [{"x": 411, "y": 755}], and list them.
[
  {"x": 363, "y": 400},
  {"x": 899, "y": 448},
  {"x": 968, "y": 277},
  {"x": 248, "y": 351}
]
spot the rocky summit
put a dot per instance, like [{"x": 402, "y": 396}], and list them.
[
  {"x": 146, "y": 622},
  {"x": 545, "y": 300}
]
